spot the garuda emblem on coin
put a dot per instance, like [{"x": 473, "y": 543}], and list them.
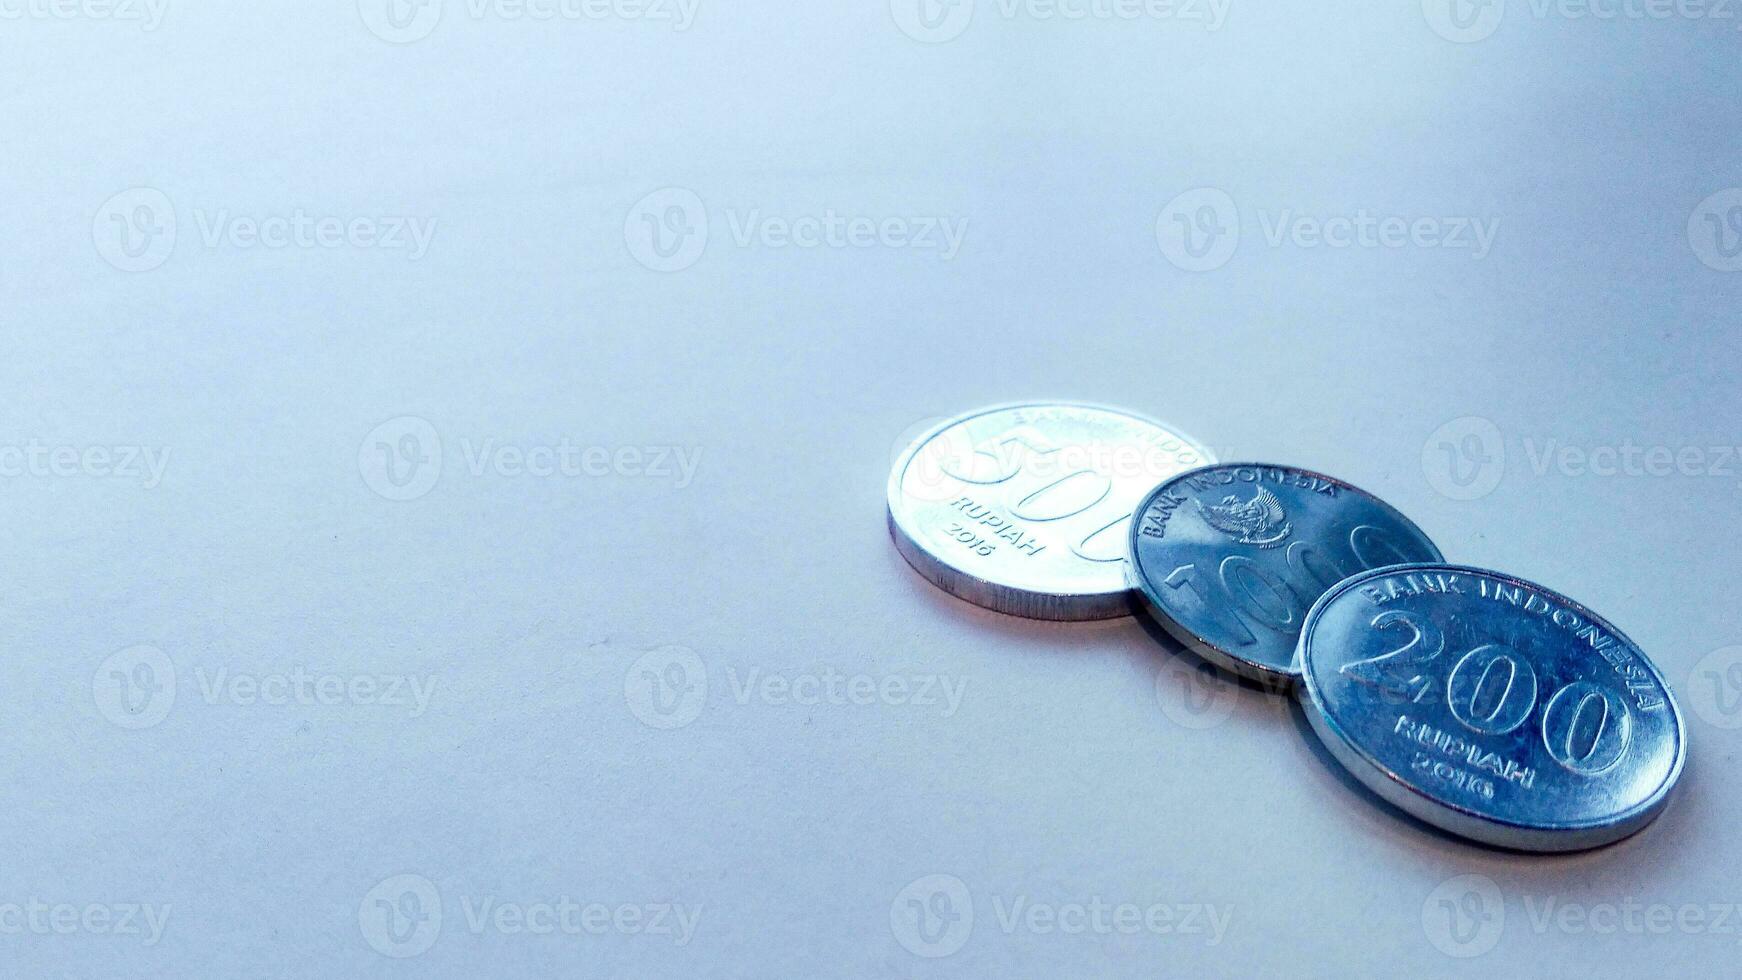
[{"x": 1259, "y": 521}]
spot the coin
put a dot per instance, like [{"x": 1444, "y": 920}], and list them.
[
  {"x": 1491, "y": 707},
  {"x": 1023, "y": 508},
  {"x": 1229, "y": 558}
]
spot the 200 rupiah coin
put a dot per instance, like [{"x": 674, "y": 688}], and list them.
[
  {"x": 1491, "y": 707},
  {"x": 1230, "y": 557},
  {"x": 1023, "y": 508}
]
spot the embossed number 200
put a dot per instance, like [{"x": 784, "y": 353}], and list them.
[
  {"x": 1492, "y": 690},
  {"x": 1072, "y": 494}
]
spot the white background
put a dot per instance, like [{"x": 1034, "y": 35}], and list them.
[{"x": 1075, "y": 767}]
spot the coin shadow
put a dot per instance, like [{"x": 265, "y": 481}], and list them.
[
  {"x": 1017, "y": 626},
  {"x": 1180, "y": 651},
  {"x": 1297, "y": 714}
]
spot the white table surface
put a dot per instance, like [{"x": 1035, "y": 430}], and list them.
[{"x": 293, "y": 610}]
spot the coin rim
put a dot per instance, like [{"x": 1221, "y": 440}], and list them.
[
  {"x": 1012, "y": 600},
  {"x": 1262, "y": 673},
  {"x": 1486, "y": 828}
]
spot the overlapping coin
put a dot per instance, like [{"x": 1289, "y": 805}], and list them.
[
  {"x": 1229, "y": 558},
  {"x": 1483, "y": 704},
  {"x": 1024, "y": 508},
  {"x": 1491, "y": 707}
]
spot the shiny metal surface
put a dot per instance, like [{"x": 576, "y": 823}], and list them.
[
  {"x": 1491, "y": 707},
  {"x": 1229, "y": 558},
  {"x": 1024, "y": 508}
]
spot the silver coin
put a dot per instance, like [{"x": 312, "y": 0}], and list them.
[
  {"x": 1229, "y": 558},
  {"x": 1491, "y": 707},
  {"x": 1023, "y": 508}
]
